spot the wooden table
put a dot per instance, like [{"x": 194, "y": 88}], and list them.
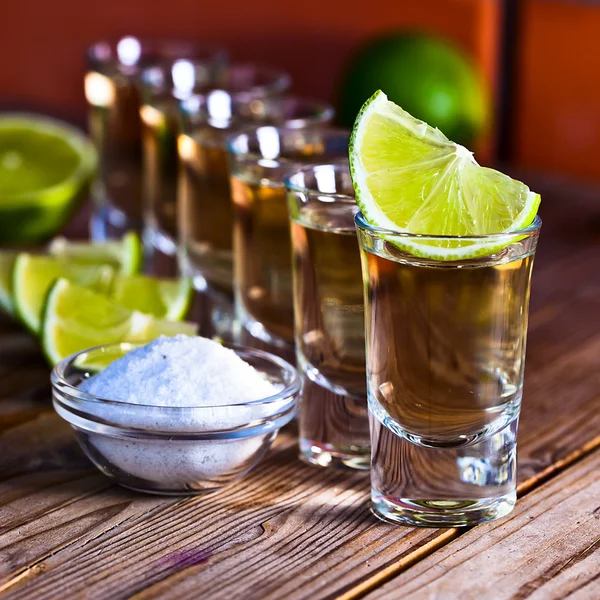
[{"x": 293, "y": 531}]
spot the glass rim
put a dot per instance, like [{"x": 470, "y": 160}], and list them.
[
  {"x": 330, "y": 132},
  {"x": 61, "y": 385},
  {"x": 279, "y": 82},
  {"x": 165, "y": 66},
  {"x": 167, "y": 49},
  {"x": 302, "y": 189},
  {"x": 362, "y": 224}
]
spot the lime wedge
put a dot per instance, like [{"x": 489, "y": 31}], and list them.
[
  {"x": 158, "y": 327},
  {"x": 408, "y": 177},
  {"x": 125, "y": 254},
  {"x": 76, "y": 318},
  {"x": 44, "y": 167},
  {"x": 162, "y": 298},
  {"x": 33, "y": 276},
  {"x": 7, "y": 260}
]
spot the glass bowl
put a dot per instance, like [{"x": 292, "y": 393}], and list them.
[{"x": 166, "y": 449}]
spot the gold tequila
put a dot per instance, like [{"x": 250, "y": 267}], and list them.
[
  {"x": 114, "y": 124},
  {"x": 262, "y": 248},
  {"x": 206, "y": 215},
  {"x": 263, "y": 259},
  {"x": 114, "y": 88},
  {"x": 330, "y": 342},
  {"x": 447, "y": 343},
  {"x": 329, "y": 300},
  {"x": 445, "y": 363},
  {"x": 161, "y": 170},
  {"x": 235, "y": 99}
]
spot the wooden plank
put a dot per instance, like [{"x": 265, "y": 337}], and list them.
[
  {"x": 548, "y": 548},
  {"x": 310, "y": 525},
  {"x": 287, "y": 530},
  {"x": 363, "y": 547}
]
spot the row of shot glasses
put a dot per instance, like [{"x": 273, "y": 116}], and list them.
[{"x": 248, "y": 190}]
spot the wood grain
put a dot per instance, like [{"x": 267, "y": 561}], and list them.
[
  {"x": 287, "y": 530},
  {"x": 308, "y": 526},
  {"x": 548, "y": 548}
]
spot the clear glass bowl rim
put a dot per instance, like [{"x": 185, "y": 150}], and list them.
[{"x": 61, "y": 386}]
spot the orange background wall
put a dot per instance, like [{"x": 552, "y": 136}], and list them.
[
  {"x": 557, "y": 120},
  {"x": 557, "y": 114},
  {"x": 42, "y": 42}
]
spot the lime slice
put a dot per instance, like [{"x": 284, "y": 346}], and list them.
[
  {"x": 98, "y": 359},
  {"x": 125, "y": 255},
  {"x": 7, "y": 260},
  {"x": 33, "y": 276},
  {"x": 44, "y": 167},
  {"x": 158, "y": 327},
  {"x": 410, "y": 178},
  {"x": 76, "y": 318},
  {"x": 162, "y": 298}
]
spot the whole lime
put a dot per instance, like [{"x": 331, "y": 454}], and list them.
[
  {"x": 45, "y": 167},
  {"x": 428, "y": 77}
]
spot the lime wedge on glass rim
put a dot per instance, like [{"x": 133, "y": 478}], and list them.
[
  {"x": 410, "y": 178},
  {"x": 124, "y": 254},
  {"x": 45, "y": 165},
  {"x": 32, "y": 277},
  {"x": 76, "y": 318}
]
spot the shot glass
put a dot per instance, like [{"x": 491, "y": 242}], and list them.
[
  {"x": 204, "y": 206},
  {"x": 259, "y": 160},
  {"x": 112, "y": 92},
  {"x": 163, "y": 87},
  {"x": 445, "y": 359},
  {"x": 329, "y": 317}
]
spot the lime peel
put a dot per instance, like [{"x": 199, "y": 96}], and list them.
[
  {"x": 164, "y": 298},
  {"x": 409, "y": 178},
  {"x": 33, "y": 275},
  {"x": 125, "y": 254},
  {"x": 45, "y": 165},
  {"x": 7, "y": 261},
  {"x": 76, "y": 318}
]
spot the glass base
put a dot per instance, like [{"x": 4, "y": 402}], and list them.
[
  {"x": 333, "y": 428},
  {"x": 213, "y": 311},
  {"x": 246, "y": 338},
  {"x": 444, "y": 486},
  {"x": 109, "y": 223},
  {"x": 324, "y": 455},
  {"x": 441, "y": 513},
  {"x": 175, "y": 467},
  {"x": 158, "y": 264},
  {"x": 259, "y": 331},
  {"x": 156, "y": 239},
  {"x": 160, "y": 254}
]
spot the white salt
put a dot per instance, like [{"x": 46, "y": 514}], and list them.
[
  {"x": 180, "y": 385},
  {"x": 180, "y": 371}
]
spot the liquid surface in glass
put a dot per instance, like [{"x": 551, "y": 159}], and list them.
[{"x": 329, "y": 318}]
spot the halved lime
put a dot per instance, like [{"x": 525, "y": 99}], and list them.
[
  {"x": 44, "y": 166},
  {"x": 33, "y": 276},
  {"x": 7, "y": 260},
  {"x": 408, "y": 177},
  {"x": 162, "y": 298},
  {"x": 76, "y": 318},
  {"x": 125, "y": 254}
]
